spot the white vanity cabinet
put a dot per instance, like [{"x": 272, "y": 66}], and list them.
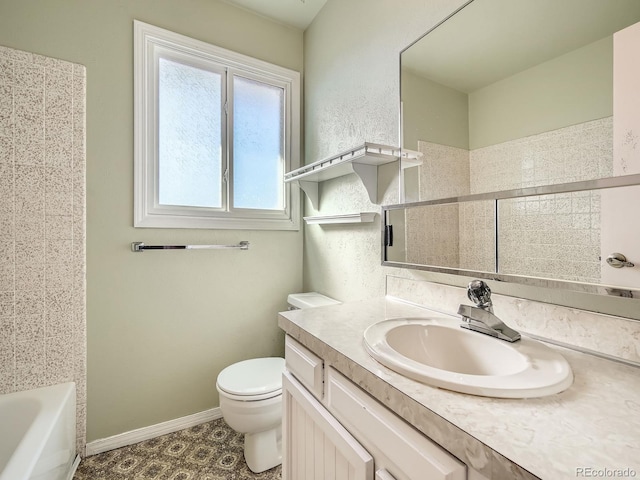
[{"x": 335, "y": 430}]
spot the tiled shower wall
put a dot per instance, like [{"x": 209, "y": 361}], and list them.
[
  {"x": 578, "y": 152},
  {"x": 42, "y": 225},
  {"x": 432, "y": 234},
  {"x": 552, "y": 236},
  {"x": 444, "y": 173},
  {"x": 556, "y": 236}
]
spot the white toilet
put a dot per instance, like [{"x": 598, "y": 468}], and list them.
[{"x": 251, "y": 398}]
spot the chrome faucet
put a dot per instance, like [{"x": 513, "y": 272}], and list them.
[{"x": 481, "y": 317}]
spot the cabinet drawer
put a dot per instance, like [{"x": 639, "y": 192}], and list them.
[
  {"x": 396, "y": 446},
  {"x": 305, "y": 365}
]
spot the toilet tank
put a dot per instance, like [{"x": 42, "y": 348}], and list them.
[{"x": 307, "y": 300}]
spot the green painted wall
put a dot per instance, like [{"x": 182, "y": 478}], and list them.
[
  {"x": 433, "y": 113},
  {"x": 570, "y": 89},
  {"x": 161, "y": 325}
]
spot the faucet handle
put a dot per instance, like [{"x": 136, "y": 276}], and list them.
[{"x": 479, "y": 293}]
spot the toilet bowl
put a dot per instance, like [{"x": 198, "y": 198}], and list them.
[
  {"x": 251, "y": 398},
  {"x": 251, "y": 403}
]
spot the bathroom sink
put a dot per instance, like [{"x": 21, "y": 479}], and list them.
[{"x": 436, "y": 351}]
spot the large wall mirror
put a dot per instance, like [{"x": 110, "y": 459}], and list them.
[{"x": 527, "y": 115}]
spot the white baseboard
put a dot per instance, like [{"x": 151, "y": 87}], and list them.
[{"x": 152, "y": 431}]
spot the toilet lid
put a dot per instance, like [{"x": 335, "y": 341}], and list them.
[{"x": 252, "y": 377}]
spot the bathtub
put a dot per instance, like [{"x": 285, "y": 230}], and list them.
[{"x": 38, "y": 434}]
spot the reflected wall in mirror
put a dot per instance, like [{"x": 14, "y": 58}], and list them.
[
  {"x": 569, "y": 236},
  {"x": 511, "y": 96},
  {"x": 519, "y": 93},
  {"x": 551, "y": 236},
  {"x": 561, "y": 239},
  {"x": 451, "y": 235}
]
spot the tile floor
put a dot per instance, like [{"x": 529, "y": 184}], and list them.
[{"x": 211, "y": 451}]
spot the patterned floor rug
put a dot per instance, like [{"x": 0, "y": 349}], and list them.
[{"x": 211, "y": 451}]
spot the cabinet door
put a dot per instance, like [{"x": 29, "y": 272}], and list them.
[{"x": 314, "y": 444}]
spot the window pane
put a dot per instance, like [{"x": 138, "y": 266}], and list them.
[
  {"x": 189, "y": 136},
  {"x": 258, "y": 145}
]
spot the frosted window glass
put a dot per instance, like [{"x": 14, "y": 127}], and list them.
[
  {"x": 190, "y": 133},
  {"x": 258, "y": 145}
]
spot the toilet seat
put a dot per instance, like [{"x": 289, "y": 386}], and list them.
[{"x": 252, "y": 380}]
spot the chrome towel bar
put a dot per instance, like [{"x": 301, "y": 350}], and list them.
[{"x": 141, "y": 247}]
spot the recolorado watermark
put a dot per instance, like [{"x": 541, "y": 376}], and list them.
[{"x": 605, "y": 472}]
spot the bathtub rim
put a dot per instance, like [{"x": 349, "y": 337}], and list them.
[{"x": 54, "y": 399}]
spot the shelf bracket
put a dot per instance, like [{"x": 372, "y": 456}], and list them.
[
  {"x": 369, "y": 176},
  {"x": 311, "y": 191}
]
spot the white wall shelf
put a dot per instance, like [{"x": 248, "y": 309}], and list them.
[
  {"x": 362, "y": 217},
  {"x": 362, "y": 160},
  {"x": 410, "y": 158}
]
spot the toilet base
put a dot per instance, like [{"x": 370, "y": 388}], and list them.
[{"x": 263, "y": 450}]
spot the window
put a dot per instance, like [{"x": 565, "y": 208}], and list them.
[{"x": 215, "y": 132}]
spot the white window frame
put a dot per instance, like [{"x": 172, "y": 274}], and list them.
[{"x": 149, "y": 43}]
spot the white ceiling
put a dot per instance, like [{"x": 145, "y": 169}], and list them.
[{"x": 297, "y": 13}]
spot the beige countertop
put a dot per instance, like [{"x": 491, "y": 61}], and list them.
[{"x": 591, "y": 430}]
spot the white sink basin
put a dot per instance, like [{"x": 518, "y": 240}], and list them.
[{"x": 437, "y": 352}]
